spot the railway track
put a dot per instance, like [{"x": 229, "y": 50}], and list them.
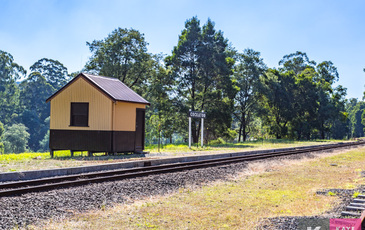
[
  {"x": 22, "y": 187},
  {"x": 356, "y": 209}
]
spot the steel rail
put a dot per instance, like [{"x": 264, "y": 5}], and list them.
[
  {"x": 122, "y": 171},
  {"x": 82, "y": 179}
]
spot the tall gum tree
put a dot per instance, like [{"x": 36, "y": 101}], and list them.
[
  {"x": 247, "y": 72},
  {"x": 277, "y": 100},
  {"x": 123, "y": 55},
  {"x": 34, "y": 91},
  {"x": 316, "y": 107},
  {"x": 331, "y": 100},
  {"x": 202, "y": 69},
  {"x": 10, "y": 72},
  {"x": 281, "y": 96},
  {"x": 161, "y": 114},
  {"x": 54, "y": 72}
]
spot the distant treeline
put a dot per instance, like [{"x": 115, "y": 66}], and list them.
[{"x": 243, "y": 98}]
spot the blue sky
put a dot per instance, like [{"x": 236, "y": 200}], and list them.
[{"x": 59, "y": 29}]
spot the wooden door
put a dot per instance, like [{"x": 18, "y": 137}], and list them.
[{"x": 140, "y": 125}]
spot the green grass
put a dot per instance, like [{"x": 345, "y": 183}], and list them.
[
  {"x": 248, "y": 145},
  {"x": 22, "y": 156},
  {"x": 37, "y": 156},
  {"x": 36, "y": 161}
]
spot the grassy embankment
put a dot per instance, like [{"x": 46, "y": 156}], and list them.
[
  {"x": 243, "y": 146},
  {"x": 289, "y": 189},
  {"x": 34, "y": 161}
]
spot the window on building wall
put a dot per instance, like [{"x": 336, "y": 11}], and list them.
[{"x": 79, "y": 114}]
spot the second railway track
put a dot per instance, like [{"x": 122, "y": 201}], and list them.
[{"x": 22, "y": 187}]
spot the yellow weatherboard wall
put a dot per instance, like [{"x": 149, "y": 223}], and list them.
[
  {"x": 100, "y": 107},
  {"x": 125, "y": 116}
]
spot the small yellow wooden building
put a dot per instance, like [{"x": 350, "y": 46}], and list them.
[{"x": 97, "y": 114}]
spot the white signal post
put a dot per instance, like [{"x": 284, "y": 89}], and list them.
[
  {"x": 202, "y": 133},
  {"x": 189, "y": 130}
]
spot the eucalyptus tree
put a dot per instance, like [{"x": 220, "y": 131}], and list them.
[
  {"x": 46, "y": 77},
  {"x": 16, "y": 139},
  {"x": 289, "y": 102},
  {"x": 54, "y": 72},
  {"x": 331, "y": 100},
  {"x": 1, "y": 133},
  {"x": 161, "y": 113},
  {"x": 316, "y": 105},
  {"x": 123, "y": 55},
  {"x": 301, "y": 97},
  {"x": 34, "y": 91},
  {"x": 296, "y": 62},
  {"x": 247, "y": 72},
  {"x": 357, "y": 117},
  {"x": 184, "y": 62},
  {"x": 202, "y": 68},
  {"x": 10, "y": 72},
  {"x": 277, "y": 98},
  {"x": 305, "y": 104}
]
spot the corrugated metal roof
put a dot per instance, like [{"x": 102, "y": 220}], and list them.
[
  {"x": 116, "y": 89},
  {"x": 113, "y": 87}
]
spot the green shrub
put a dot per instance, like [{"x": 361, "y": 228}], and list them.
[
  {"x": 218, "y": 141},
  {"x": 356, "y": 194},
  {"x": 44, "y": 144},
  {"x": 1, "y": 148},
  {"x": 15, "y": 139},
  {"x": 331, "y": 193},
  {"x": 230, "y": 134}
]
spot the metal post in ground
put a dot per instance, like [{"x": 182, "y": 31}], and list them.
[
  {"x": 189, "y": 131},
  {"x": 159, "y": 136},
  {"x": 202, "y": 132}
]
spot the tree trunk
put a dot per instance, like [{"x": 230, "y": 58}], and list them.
[
  {"x": 244, "y": 133},
  {"x": 299, "y": 132},
  {"x": 240, "y": 132},
  {"x": 244, "y": 126},
  {"x": 193, "y": 131},
  {"x": 308, "y": 136}
]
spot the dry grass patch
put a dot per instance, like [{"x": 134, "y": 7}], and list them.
[{"x": 288, "y": 189}]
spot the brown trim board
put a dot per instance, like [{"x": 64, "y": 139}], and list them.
[{"x": 95, "y": 141}]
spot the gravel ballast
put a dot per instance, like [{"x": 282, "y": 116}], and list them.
[
  {"x": 29, "y": 208},
  {"x": 20, "y": 211},
  {"x": 291, "y": 222}
]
